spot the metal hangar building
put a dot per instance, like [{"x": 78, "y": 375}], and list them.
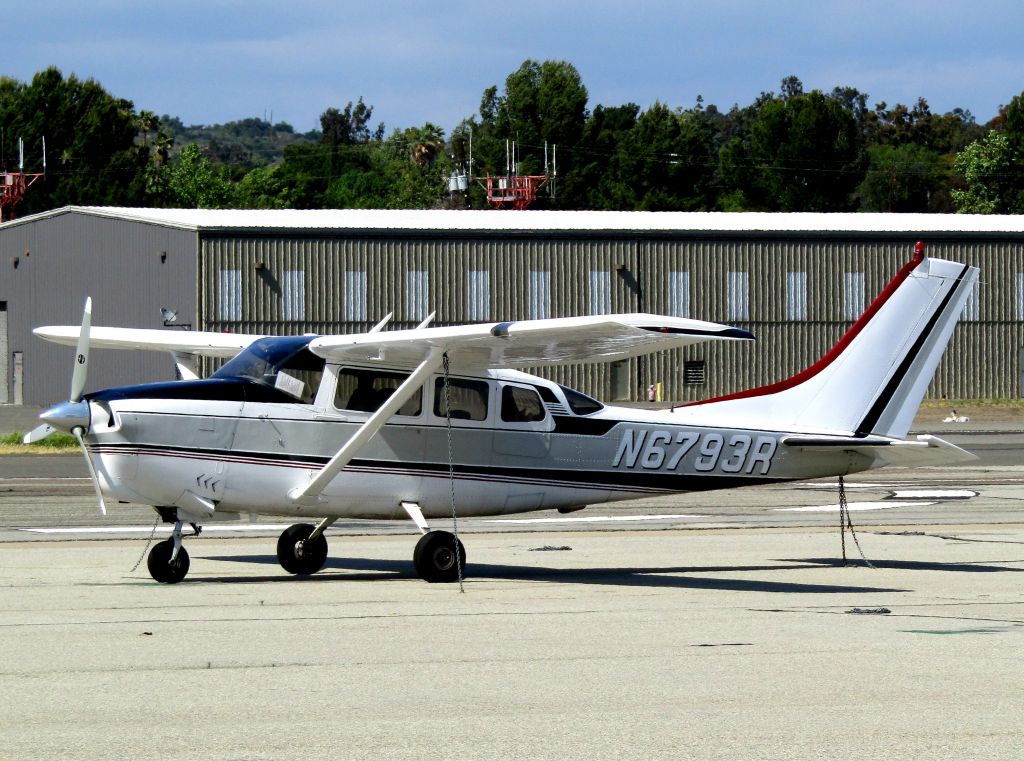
[{"x": 795, "y": 280}]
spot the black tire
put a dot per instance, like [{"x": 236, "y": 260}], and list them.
[
  {"x": 435, "y": 557},
  {"x": 312, "y": 555},
  {"x": 160, "y": 566}
]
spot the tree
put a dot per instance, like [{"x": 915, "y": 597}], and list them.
[
  {"x": 900, "y": 178},
  {"x": 261, "y": 188},
  {"x": 802, "y": 154},
  {"x": 192, "y": 182},
  {"x": 406, "y": 171},
  {"x": 992, "y": 171},
  {"x": 93, "y": 157},
  {"x": 596, "y": 179},
  {"x": 543, "y": 102},
  {"x": 666, "y": 162},
  {"x": 343, "y": 128}
]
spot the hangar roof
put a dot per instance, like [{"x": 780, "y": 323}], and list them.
[{"x": 421, "y": 220}]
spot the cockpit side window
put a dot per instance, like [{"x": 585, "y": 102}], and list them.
[
  {"x": 521, "y": 405},
  {"x": 366, "y": 390}
]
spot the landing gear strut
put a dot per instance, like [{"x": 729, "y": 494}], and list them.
[{"x": 437, "y": 557}]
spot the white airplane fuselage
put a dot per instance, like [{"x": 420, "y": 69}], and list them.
[{"x": 247, "y": 456}]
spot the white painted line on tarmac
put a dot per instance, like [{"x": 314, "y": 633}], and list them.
[
  {"x": 832, "y": 486},
  {"x": 147, "y": 529},
  {"x": 852, "y": 506},
  {"x": 594, "y": 519}
]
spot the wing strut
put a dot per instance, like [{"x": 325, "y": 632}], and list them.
[{"x": 368, "y": 429}]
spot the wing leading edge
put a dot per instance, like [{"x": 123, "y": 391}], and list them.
[
  {"x": 528, "y": 343},
  {"x": 202, "y": 343}
]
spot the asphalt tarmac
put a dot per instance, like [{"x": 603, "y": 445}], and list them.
[{"x": 702, "y": 626}]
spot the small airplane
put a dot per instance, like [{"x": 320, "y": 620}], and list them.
[{"x": 438, "y": 422}]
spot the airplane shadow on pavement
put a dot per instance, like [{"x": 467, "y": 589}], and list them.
[
  {"x": 911, "y": 565},
  {"x": 679, "y": 577}
]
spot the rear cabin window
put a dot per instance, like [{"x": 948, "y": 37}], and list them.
[
  {"x": 468, "y": 399},
  {"x": 367, "y": 390},
  {"x": 579, "y": 403},
  {"x": 521, "y": 405}
]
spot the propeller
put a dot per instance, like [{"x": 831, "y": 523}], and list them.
[
  {"x": 81, "y": 369},
  {"x": 73, "y": 415}
]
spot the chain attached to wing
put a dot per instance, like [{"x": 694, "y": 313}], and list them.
[{"x": 451, "y": 466}]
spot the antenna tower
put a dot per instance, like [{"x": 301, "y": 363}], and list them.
[
  {"x": 511, "y": 190},
  {"x": 13, "y": 185},
  {"x": 519, "y": 191}
]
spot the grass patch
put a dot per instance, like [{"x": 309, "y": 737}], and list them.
[{"x": 55, "y": 443}]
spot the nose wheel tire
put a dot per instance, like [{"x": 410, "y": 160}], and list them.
[
  {"x": 160, "y": 566},
  {"x": 434, "y": 557},
  {"x": 299, "y": 554}
]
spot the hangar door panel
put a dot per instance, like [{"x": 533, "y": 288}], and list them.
[{"x": 5, "y": 367}]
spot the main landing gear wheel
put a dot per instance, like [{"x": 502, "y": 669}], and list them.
[
  {"x": 434, "y": 557},
  {"x": 299, "y": 554},
  {"x": 160, "y": 566}
]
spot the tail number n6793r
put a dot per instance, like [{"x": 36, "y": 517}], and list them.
[{"x": 665, "y": 450}]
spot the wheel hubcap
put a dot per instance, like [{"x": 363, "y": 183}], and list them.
[{"x": 444, "y": 558}]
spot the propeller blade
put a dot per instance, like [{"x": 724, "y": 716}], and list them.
[
  {"x": 38, "y": 434},
  {"x": 92, "y": 470},
  {"x": 78, "y": 376}
]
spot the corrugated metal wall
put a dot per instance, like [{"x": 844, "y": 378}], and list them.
[
  {"x": 984, "y": 360},
  {"x": 49, "y": 266}
]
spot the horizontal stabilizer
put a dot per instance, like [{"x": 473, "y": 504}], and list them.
[{"x": 924, "y": 450}]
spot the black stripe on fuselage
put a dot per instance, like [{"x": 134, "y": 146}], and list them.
[
  {"x": 609, "y": 480},
  {"x": 885, "y": 398}
]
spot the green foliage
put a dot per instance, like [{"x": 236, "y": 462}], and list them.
[
  {"x": 541, "y": 103},
  {"x": 803, "y": 154},
  {"x": 192, "y": 182},
  {"x": 262, "y": 188},
  {"x": 666, "y": 162},
  {"x": 405, "y": 171},
  {"x": 993, "y": 173},
  {"x": 900, "y": 178},
  {"x": 247, "y": 143},
  {"x": 791, "y": 151},
  {"x": 596, "y": 181},
  {"x": 92, "y": 154}
]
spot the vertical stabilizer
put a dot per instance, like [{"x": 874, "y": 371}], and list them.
[{"x": 873, "y": 379}]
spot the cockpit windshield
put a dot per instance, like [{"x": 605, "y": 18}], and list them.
[{"x": 283, "y": 363}]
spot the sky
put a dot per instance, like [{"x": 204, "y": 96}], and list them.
[{"x": 415, "y": 62}]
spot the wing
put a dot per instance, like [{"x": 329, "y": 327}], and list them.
[
  {"x": 528, "y": 343},
  {"x": 175, "y": 341}
]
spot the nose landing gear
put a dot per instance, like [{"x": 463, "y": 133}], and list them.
[{"x": 168, "y": 561}]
